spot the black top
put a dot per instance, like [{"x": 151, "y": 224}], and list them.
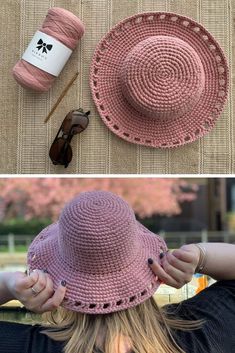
[{"x": 215, "y": 304}]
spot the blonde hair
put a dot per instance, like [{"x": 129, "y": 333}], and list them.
[{"x": 145, "y": 328}]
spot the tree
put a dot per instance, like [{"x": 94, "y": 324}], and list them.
[{"x": 45, "y": 197}]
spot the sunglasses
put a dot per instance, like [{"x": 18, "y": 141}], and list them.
[{"x": 74, "y": 123}]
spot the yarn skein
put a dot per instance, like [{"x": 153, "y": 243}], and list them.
[{"x": 65, "y": 27}]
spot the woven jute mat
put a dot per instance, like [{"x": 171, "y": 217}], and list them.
[{"x": 25, "y": 139}]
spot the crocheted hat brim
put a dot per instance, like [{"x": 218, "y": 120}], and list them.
[
  {"x": 94, "y": 294},
  {"x": 127, "y": 122}
]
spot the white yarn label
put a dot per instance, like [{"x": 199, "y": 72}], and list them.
[{"x": 47, "y": 53}]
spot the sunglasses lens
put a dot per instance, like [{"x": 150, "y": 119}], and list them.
[
  {"x": 75, "y": 122},
  {"x": 60, "y": 152}
]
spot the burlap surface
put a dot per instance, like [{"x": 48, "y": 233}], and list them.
[{"x": 25, "y": 139}]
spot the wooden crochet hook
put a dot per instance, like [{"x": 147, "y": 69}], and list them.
[{"x": 61, "y": 97}]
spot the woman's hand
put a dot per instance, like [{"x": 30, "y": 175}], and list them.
[
  {"x": 177, "y": 267},
  {"x": 35, "y": 291}
]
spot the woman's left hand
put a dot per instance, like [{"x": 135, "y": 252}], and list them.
[{"x": 177, "y": 267}]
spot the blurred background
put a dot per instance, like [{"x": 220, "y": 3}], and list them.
[{"x": 182, "y": 210}]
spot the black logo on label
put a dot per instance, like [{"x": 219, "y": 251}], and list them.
[{"x": 44, "y": 46}]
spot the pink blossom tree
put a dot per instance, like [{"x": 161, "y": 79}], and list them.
[{"x": 45, "y": 197}]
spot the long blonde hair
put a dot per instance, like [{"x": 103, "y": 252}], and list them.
[{"x": 146, "y": 328}]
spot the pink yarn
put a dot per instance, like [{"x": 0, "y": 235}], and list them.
[{"x": 61, "y": 25}]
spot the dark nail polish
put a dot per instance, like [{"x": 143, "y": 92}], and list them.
[
  {"x": 45, "y": 271},
  {"x": 161, "y": 255},
  {"x": 63, "y": 283},
  {"x": 150, "y": 261}
]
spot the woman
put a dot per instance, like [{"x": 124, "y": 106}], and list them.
[{"x": 99, "y": 268}]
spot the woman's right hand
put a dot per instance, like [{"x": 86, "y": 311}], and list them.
[
  {"x": 35, "y": 291},
  {"x": 177, "y": 267}
]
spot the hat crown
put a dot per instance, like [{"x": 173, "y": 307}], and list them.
[
  {"x": 162, "y": 77},
  {"x": 98, "y": 233}
]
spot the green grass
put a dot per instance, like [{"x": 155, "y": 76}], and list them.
[
  {"x": 25, "y": 318},
  {"x": 18, "y": 248}
]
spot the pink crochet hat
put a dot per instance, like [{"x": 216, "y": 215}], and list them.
[
  {"x": 159, "y": 79},
  {"x": 101, "y": 251}
]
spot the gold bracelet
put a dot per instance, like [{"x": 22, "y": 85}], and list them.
[{"x": 202, "y": 258}]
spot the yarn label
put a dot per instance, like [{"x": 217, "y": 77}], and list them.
[{"x": 47, "y": 53}]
